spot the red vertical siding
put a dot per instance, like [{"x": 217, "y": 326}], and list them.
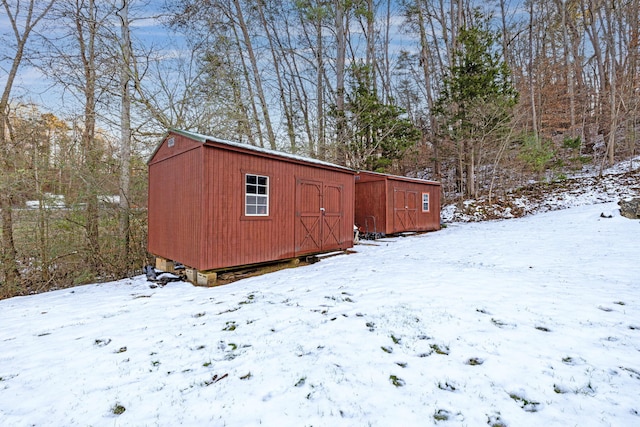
[
  {"x": 197, "y": 204},
  {"x": 396, "y": 202},
  {"x": 232, "y": 239},
  {"x": 175, "y": 192},
  {"x": 414, "y": 219},
  {"x": 370, "y": 206}
]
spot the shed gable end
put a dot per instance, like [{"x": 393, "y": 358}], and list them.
[{"x": 173, "y": 145}]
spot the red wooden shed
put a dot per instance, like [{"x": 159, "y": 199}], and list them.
[
  {"x": 216, "y": 204},
  {"x": 393, "y": 204}
]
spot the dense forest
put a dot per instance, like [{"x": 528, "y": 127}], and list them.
[{"x": 484, "y": 96}]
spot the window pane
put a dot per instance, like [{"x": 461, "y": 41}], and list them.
[{"x": 256, "y": 200}]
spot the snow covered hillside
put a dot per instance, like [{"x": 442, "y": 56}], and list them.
[
  {"x": 524, "y": 322},
  {"x": 586, "y": 188}
]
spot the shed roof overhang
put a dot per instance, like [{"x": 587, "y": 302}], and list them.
[
  {"x": 384, "y": 176},
  {"x": 250, "y": 149}
]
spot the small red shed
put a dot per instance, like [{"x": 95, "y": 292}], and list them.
[
  {"x": 216, "y": 204},
  {"x": 393, "y": 204}
]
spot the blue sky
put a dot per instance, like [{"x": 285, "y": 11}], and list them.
[{"x": 32, "y": 86}]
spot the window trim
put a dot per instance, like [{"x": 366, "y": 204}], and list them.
[
  {"x": 428, "y": 202},
  {"x": 245, "y": 196}
]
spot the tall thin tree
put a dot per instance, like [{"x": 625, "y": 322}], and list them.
[{"x": 125, "y": 132}]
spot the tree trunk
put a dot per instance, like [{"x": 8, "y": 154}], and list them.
[
  {"x": 125, "y": 137},
  {"x": 286, "y": 108},
  {"x": 322, "y": 142},
  {"x": 87, "y": 39},
  {"x": 256, "y": 74},
  {"x": 505, "y": 34},
  {"x": 371, "y": 43},
  {"x": 470, "y": 187},
  {"x": 633, "y": 50},
  {"x": 613, "y": 83},
  {"x": 590, "y": 12},
  {"x": 569, "y": 75},
  {"x": 386, "y": 75},
  {"x": 342, "y": 30},
  {"x": 299, "y": 89},
  {"x": 9, "y": 254},
  {"x": 240, "y": 98},
  {"x": 531, "y": 79},
  {"x": 425, "y": 60},
  {"x": 41, "y": 229}
]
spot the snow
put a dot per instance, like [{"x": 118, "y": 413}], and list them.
[
  {"x": 532, "y": 321},
  {"x": 617, "y": 182},
  {"x": 623, "y": 166}
]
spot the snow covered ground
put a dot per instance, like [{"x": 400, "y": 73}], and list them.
[{"x": 524, "y": 322}]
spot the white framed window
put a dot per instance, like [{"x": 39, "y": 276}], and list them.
[
  {"x": 425, "y": 202},
  {"x": 256, "y": 195}
]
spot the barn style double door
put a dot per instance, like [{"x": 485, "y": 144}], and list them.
[
  {"x": 319, "y": 216},
  {"x": 405, "y": 210}
]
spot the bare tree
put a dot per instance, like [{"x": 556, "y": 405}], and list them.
[
  {"x": 87, "y": 25},
  {"x": 80, "y": 61},
  {"x": 125, "y": 132},
  {"x": 426, "y": 58},
  {"x": 248, "y": 44},
  {"x": 314, "y": 14},
  {"x": 21, "y": 27},
  {"x": 273, "y": 39},
  {"x": 530, "y": 71},
  {"x": 341, "y": 21}
]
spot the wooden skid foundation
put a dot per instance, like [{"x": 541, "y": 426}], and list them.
[
  {"x": 228, "y": 275},
  {"x": 223, "y": 276}
]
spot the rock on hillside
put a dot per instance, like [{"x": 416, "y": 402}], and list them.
[{"x": 630, "y": 208}]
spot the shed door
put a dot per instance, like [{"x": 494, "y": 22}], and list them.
[
  {"x": 399, "y": 210},
  {"x": 405, "y": 210},
  {"x": 319, "y": 213},
  {"x": 412, "y": 209},
  {"x": 331, "y": 216}
]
